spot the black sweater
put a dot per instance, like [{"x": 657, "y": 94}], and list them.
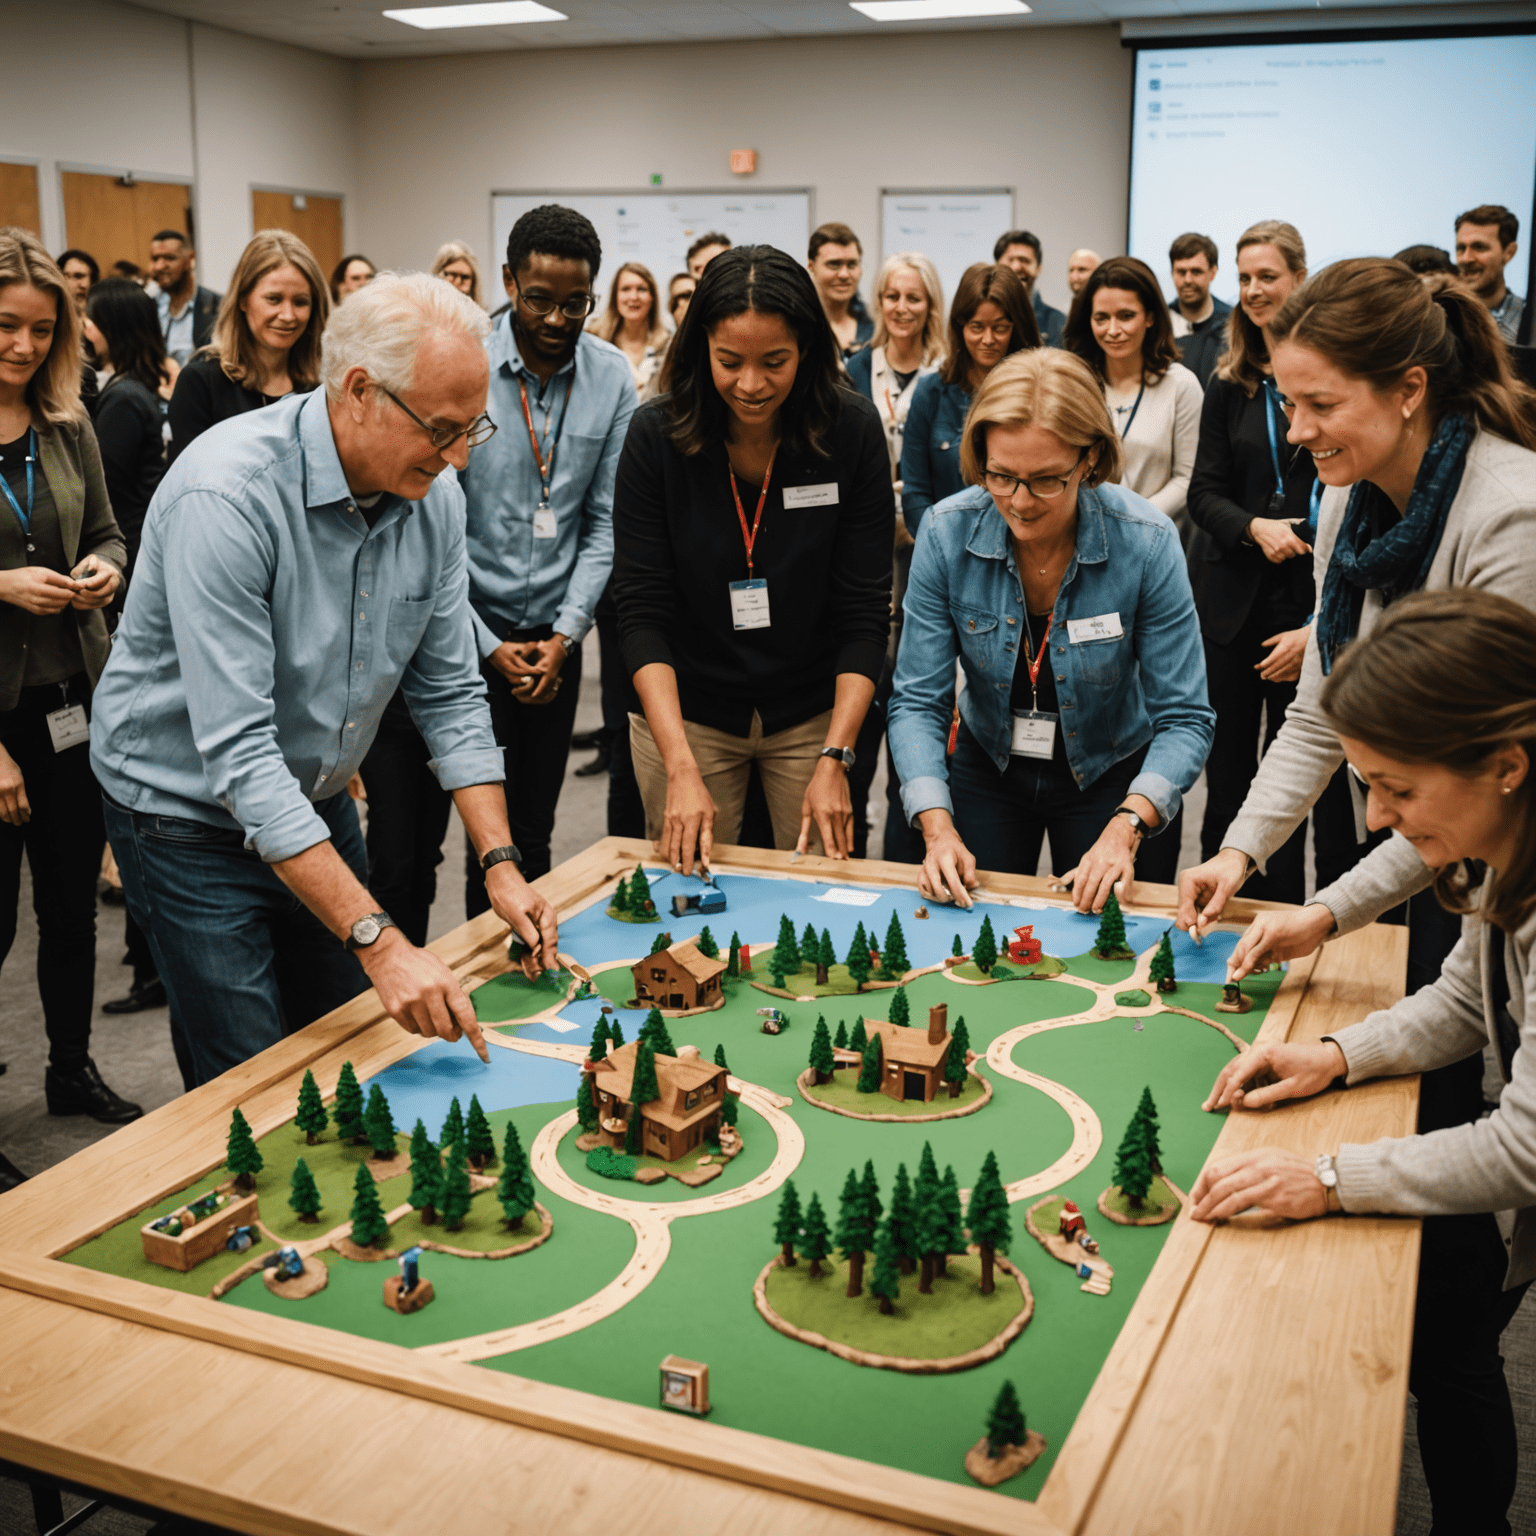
[
  {"x": 129, "y": 428},
  {"x": 678, "y": 545},
  {"x": 1233, "y": 479},
  {"x": 204, "y": 396}
]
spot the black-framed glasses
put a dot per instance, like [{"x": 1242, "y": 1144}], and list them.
[
  {"x": 481, "y": 430},
  {"x": 1041, "y": 487},
  {"x": 575, "y": 308}
]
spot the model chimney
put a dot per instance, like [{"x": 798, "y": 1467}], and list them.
[{"x": 938, "y": 1023}]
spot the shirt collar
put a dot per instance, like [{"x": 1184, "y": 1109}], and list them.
[
  {"x": 502, "y": 348},
  {"x": 990, "y": 540},
  {"x": 325, "y": 483}
]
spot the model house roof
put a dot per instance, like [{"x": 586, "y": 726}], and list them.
[
  {"x": 909, "y": 1047},
  {"x": 676, "y": 1077},
  {"x": 695, "y": 961}
]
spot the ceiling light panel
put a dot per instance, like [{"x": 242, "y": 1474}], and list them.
[
  {"x": 936, "y": 10},
  {"x": 500, "y": 13}
]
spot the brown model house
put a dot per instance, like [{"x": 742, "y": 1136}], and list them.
[
  {"x": 686, "y": 1114},
  {"x": 914, "y": 1061},
  {"x": 679, "y": 978}
]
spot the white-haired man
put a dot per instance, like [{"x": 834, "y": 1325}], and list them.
[{"x": 298, "y": 564}]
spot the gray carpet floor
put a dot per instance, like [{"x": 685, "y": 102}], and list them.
[{"x": 134, "y": 1054}]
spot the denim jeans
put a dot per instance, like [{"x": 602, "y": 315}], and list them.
[{"x": 244, "y": 961}]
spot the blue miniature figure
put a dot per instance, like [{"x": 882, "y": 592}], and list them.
[
  {"x": 241, "y": 1239},
  {"x": 408, "y": 1262},
  {"x": 289, "y": 1265}
]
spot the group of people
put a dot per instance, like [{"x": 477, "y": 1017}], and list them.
[{"x": 1148, "y": 537}]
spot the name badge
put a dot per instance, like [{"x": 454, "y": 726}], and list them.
[
  {"x": 543, "y": 523},
  {"x": 1034, "y": 735},
  {"x": 749, "y": 604},
  {"x": 1103, "y": 626},
  {"x": 810, "y": 495},
  {"x": 68, "y": 727}
]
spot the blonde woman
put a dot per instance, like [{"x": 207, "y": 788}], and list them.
[
  {"x": 632, "y": 322},
  {"x": 266, "y": 341},
  {"x": 60, "y": 555},
  {"x": 455, "y": 263}
]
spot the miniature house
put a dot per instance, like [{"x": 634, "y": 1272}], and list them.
[
  {"x": 684, "y": 1385},
  {"x": 1072, "y": 1224},
  {"x": 680, "y": 978},
  {"x": 914, "y": 1061},
  {"x": 1024, "y": 948},
  {"x": 684, "y": 1116}
]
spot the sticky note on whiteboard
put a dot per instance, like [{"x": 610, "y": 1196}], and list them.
[{"x": 846, "y": 896}]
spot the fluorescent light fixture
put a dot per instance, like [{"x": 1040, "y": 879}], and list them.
[
  {"x": 936, "y": 10},
  {"x": 500, "y": 13}
]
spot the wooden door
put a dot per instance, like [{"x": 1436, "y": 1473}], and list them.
[
  {"x": 116, "y": 222},
  {"x": 317, "y": 223},
  {"x": 18, "y": 197}
]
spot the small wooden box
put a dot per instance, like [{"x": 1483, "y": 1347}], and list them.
[
  {"x": 685, "y": 1385},
  {"x": 200, "y": 1241}
]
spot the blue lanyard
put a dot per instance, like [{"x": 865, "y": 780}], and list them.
[
  {"x": 1125, "y": 431},
  {"x": 24, "y": 518},
  {"x": 1271, "y": 405}
]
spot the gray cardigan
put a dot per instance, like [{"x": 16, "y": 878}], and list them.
[
  {"x": 1489, "y": 1165},
  {"x": 1489, "y": 542}
]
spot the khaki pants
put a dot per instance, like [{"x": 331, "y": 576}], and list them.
[{"x": 786, "y": 760}]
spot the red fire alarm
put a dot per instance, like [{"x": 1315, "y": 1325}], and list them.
[{"x": 743, "y": 162}]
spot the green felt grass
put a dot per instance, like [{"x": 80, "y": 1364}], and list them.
[
  {"x": 1094, "y": 969},
  {"x": 484, "y": 1230},
  {"x": 512, "y": 996},
  {"x": 843, "y": 1092},
  {"x": 1158, "y": 1194},
  {"x": 1009, "y": 970}
]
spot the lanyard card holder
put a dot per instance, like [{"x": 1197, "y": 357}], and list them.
[
  {"x": 749, "y": 604},
  {"x": 1034, "y": 734}
]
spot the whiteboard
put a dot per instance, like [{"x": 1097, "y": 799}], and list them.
[
  {"x": 953, "y": 229},
  {"x": 657, "y": 226}
]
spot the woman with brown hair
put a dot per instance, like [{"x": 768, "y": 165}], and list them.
[
  {"x": 1436, "y": 712},
  {"x": 61, "y": 555},
  {"x": 990, "y": 319},
  {"x": 1121, "y": 327},
  {"x": 632, "y": 322},
  {"x": 266, "y": 341},
  {"x": 1064, "y": 599}
]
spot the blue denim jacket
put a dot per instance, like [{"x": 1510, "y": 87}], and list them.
[
  {"x": 930, "y": 447},
  {"x": 964, "y": 599}
]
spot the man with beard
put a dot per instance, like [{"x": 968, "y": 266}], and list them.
[{"x": 1485, "y": 245}]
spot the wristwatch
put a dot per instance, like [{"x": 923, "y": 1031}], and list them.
[
  {"x": 844, "y": 755},
  {"x": 1137, "y": 823},
  {"x": 500, "y": 856},
  {"x": 366, "y": 930},
  {"x": 1328, "y": 1176}
]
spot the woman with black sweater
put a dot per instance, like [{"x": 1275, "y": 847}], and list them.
[{"x": 752, "y": 535}]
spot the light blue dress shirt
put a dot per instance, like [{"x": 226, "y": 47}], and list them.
[
  {"x": 267, "y": 626},
  {"x": 177, "y": 332},
  {"x": 515, "y": 578}
]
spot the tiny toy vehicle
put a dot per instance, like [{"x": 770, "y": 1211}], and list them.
[
  {"x": 286, "y": 1262},
  {"x": 708, "y": 899},
  {"x": 774, "y": 1022}
]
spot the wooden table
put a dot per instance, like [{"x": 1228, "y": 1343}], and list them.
[{"x": 1258, "y": 1385}]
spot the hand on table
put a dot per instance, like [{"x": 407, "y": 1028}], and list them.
[
  {"x": 1283, "y": 664},
  {"x": 1277, "y": 539},
  {"x": 1283, "y": 1183},
  {"x": 1293, "y": 1071},
  {"x": 1275, "y": 936},
  {"x": 532, "y": 667},
  {"x": 1109, "y": 866},
  {"x": 828, "y": 807},
  {"x": 528, "y": 914},
  {"x": 14, "y": 807},
  {"x": 1205, "y": 890},
  {"x": 949, "y": 868},
  {"x": 688, "y": 824},
  {"x": 37, "y": 589},
  {"x": 96, "y": 583},
  {"x": 419, "y": 992}
]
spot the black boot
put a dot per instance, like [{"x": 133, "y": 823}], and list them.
[
  {"x": 10, "y": 1174},
  {"x": 143, "y": 995},
  {"x": 82, "y": 1092},
  {"x": 599, "y": 764},
  {"x": 587, "y": 741}
]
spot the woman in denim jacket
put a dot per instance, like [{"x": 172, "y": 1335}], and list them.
[{"x": 1041, "y": 561}]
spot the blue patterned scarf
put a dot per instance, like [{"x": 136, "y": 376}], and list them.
[{"x": 1398, "y": 559}]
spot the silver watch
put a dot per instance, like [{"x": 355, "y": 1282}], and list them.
[
  {"x": 366, "y": 930},
  {"x": 844, "y": 755},
  {"x": 1327, "y": 1172}
]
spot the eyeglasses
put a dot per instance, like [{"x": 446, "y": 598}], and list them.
[
  {"x": 575, "y": 308},
  {"x": 1041, "y": 487},
  {"x": 481, "y": 430}
]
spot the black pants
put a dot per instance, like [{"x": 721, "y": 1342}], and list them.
[
  {"x": 1466, "y": 1424},
  {"x": 63, "y": 843},
  {"x": 535, "y": 742},
  {"x": 407, "y": 821},
  {"x": 626, "y": 810}
]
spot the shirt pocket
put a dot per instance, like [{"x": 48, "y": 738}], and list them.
[
  {"x": 980, "y": 642},
  {"x": 576, "y": 459},
  {"x": 408, "y": 620},
  {"x": 1099, "y": 662}
]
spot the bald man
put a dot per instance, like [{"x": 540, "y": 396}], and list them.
[{"x": 1079, "y": 264}]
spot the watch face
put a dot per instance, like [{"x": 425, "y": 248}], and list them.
[{"x": 365, "y": 930}]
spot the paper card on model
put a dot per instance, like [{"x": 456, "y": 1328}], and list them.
[{"x": 1102, "y": 626}]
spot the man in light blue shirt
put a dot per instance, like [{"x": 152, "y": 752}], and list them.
[
  {"x": 539, "y": 508},
  {"x": 299, "y": 564},
  {"x": 187, "y": 311}
]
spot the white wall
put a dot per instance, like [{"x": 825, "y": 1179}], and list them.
[{"x": 1046, "y": 112}]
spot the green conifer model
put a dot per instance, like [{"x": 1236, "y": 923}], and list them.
[
  {"x": 984, "y": 955},
  {"x": 720, "y": 1060},
  {"x": 370, "y": 1229},
  {"x": 599, "y": 1047},
  {"x": 733, "y": 964},
  {"x": 479, "y": 1138},
  {"x": 853, "y": 1234},
  {"x": 454, "y": 1201},
  {"x": 826, "y": 958},
  {"x": 426, "y": 1174},
  {"x": 640, "y": 894},
  {"x": 953, "y": 1217},
  {"x": 840, "y": 1039},
  {"x": 928, "y": 1228},
  {"x": 860, "y": 1037},
  {"x": 615, "y": 1035},
  {"x": 620, "y": 902},
  {"x": 786, "y": 948},
  {"x": 893, "y": 959},
  {"x": 1160, "y": 973},
  {"x": 858, "y": 958},
  {"x": 786, "y": 1225},
  {"x": 1133, "y": 1163},
  {"x": 958, "y": 948},
  {"x": 810, "y": 945},
  {"x": 885, "y": 1282},
  {"x": 901, "y": 1009},
  {"x": 729, "y": 1106},
  {"x": 872, "y": 1068},
  {"x": 904, "y": 1220},
  {"x": 815, "y": 1238},
  {"x": 348, "y": 1108},
  {"x": 304, "y": 1193},
  {"x": 954, "y": 1063},
  {"x": 1150, "y": 1129},
  {"x": 1005, "y": 1423},
  {"x": 644, "y": 1089},
  {"x": 990, "y": 1223},
  {"x": 241, "y": 1155},
  {"x": 453, "y": 1126},
  {"x": 312, "y": 1118},
  {"x": 379, "y": 1123},
  {"x": 707, "y": 945},
  {"x": 586, "y": 1108},
  {"x": 1110, "y": 944},
  {"x": 654, "y": 1030},
  {"x": 776, "y": 971},
  {"x": 660, "y": 942},
  {"x": 821, "y": 1052},
  {"x": 872, "y": 1191},
  {"x": 514, "y": 1189}
]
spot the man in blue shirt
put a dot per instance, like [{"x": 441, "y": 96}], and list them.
[
  {"x": 187, "y": 311},
  {"x": 299, "y": 564},
  {"x": 539, "y": 511},
  {"x": 1199, "y": 318},
  {"x": 1021, "y": 250}
]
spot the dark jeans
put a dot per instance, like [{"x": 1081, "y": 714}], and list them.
[
  {"x": 243, "y": 960},
  {"x": 1003, "y": 817},
  {"x": 407, "y": 821},
  {"x": 536, "y": 741},
  {"x": 626, "y": 810},
  {"x": 63, "y": 842},
  {"x": 1466, "y": 1424}
]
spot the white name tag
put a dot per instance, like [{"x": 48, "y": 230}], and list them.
[
  {"x": 749, "y": 604},
  {"x": 1034, "y": 735},
  {"x": 1103, "y": 626},
  {"x": 543, "y": 523},
  {"x": 68, "y": 727},
  {"x": 810, "y": 495}
]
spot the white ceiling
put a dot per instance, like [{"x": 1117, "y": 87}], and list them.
[{"x": 358, "y": 29}]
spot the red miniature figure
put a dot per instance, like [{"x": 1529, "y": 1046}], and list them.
[
  {"x": 1072, "y": 1223},
  {"x": 1025, "y": 948}
]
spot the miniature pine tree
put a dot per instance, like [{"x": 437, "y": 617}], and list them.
[
  {"x": 707, "y": 945},
  {"x": 990, "y": 1223},
  {"x": 304, "y": 1193},
  {"x": 859, "y": 1038},
  {"x": 815, "y": 1238},
  {"x": 885, "y": 1282},
  {"x": 654, "y": 1031},
  {"x": 599, "y": 1047},
  {"x": 453, "y": 1126},
  {"x": 1005, "y": 1423},
  {"x": 733, "y": 963},
  {"x": 856, "y": 1222},
  {"x": 893, "y": 961},
  {"x": 455, "y": 1198},
  {"x": 660, "y": 942},
  {"x": 776, "y": 970},
  {"x": 929, "y": 1232},
  {"x": 840, "y": 1039},
  {"x": 615, "y": 1035},
  {"x": 1148, "y": 1112},
  {"x": 1110, "y": 943},
  {"x": 640, "y": 893},
  {"x": 1133, "y": 1163},
  {"x": 786, "y": 1225},
  {"x": 514, "y": 1189},
  {"x": 927, "y": 1167},
  {"x": 985, "y": 953},
  {"x": 241, "y": 1156},
  {"x": 370, "y": 1229},
  {"x": 954, "y": 1063},
  {"x": 873, "y": 1067},
  {"x": 903, "y": 1220},
  {"x": 958, "y": 948},
  {"x": 479, "y": 1139},
  {"x": 620, "y": 901},
  {"x": 586, "y": 1109},
  {"x": 348, "y": 1109},
  {"x": 312, "y": 1118},
  {"x": 821, "y": 1052},
  {"x": 858, "y": 958},
  {"x": 786, "y": 949},
  {"x": 644, "y": 1089},
  {"x": 426, "y": 1174},
  {"x": 901, "y": 1009},
  {"x": 952, "y": 1218},
  {"x": 872, "y": 1192},
  {"x": 826, "y": 958},
  {"x": 1160, "y": 972},
  {"x": 379, "y": 1123},
  {"x": 810, "y": 945},
  {"x": 729, "y": 1104},
  {"x": 720, "y": 1060}
]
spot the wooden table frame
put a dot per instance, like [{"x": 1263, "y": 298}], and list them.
[{"x": 1258, "y": 1385}]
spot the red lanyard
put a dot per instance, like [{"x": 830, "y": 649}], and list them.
[
  {"x": 1034, "y": 666},
  {"x": 749, "y": 539},
  {"x": 545, "y": 471}
]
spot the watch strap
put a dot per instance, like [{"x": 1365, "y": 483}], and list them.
[
  {"x": 844, "y": 755},
  {"x": 381, "y": 920},
  {"x": 501, "y": 856},
  {"x": 1136, "y": 821}
]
